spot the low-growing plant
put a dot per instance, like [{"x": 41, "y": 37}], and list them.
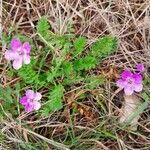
[{"x": 64, "y": 61}]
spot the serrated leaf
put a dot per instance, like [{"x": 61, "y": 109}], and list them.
[
  {"x": 7, "y": 102},
  {"x": 50, "y": 76},
  {"x": 67, "y": 68},
  {"x": 43, "y": 30},
  {"x": 29, "y": 75},
  {"x": 85, "y": 63},
  {"x": 100, "y": 49},
  {"x": 79, "y": 45},
  {"x": 42, "y": 25},
  {"x": 72, "y": 79},
  {"x": 5, "y": 94},
  {"x": 104, "y": 47},
  {"x": 94, "y": 81},
  {"x": 54, "y": 100}
]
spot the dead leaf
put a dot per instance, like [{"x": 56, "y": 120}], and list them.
[
  {"x": 111, "y": 73},
  {"x": 87, "y": 112},
  {"x": 84, "y": 110},
  {"x": 130, "y": 105}
]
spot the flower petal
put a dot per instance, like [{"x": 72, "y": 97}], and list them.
[
  {"x": 24, "y": 100},
  {"x": 30, "y": 94},
  {"x": 17, "y": 63},
  {"x": 121, "y": 83},
  {"x": 37, "y": 96},
  {"x": 29, "y": 108},
  {"x": 137, "y": 78},
  {"x": 126, "y": 74},
  {"x": 37, "y": 105},
  {"x": 140, "y": 67},
  {"x": 11, "y": 55},
  {"x": 138, "y": 87},
  {"x": 26, "y": 46},
  {"x": 15, "y": 44},
  {"x": 26, "y": 59},
  {"x": 128, "y": 90}
]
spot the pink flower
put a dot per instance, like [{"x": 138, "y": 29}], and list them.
[
  {"x": 140, "y": 68},
  {"x": 31, "y": 100},
  {"x": 130, "y": 82},
  {"x": 19, "y": 53}
]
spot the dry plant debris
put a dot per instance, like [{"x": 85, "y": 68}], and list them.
[{"x": 85, "y": 115}]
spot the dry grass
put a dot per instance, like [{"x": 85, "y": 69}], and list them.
[{"x": 129, "y": 21}]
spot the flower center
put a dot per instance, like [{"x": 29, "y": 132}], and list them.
[
  {"x": 20, "y": 51},
  {"x": 31, "y": 100},
  {"x": 130, "y": 81}
]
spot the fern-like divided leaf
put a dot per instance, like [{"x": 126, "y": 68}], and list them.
[
  {"x": 7, "y": 101},
  {"x": 92, "y": 82},
  {"x": 99, "y": 50},
  {"x": 85, "y": 63},
  {"x": 103, "y": 47},
  {"x": 79, "y": 45},
  {"x": 54, "y": 102},
  {"x": 43, "y": 27},
  {"x": 67, "y": 68},
  {"x": 28, "y": 74}
]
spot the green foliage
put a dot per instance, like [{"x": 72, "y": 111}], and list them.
[
  {"x": 67, "y": 68},
  {"x": 49, "y": 38},
  {"x": 146, "y": 96},
  {"x": 94, "y": 81},
  {"x": 54, "y": 102},
  {"x": 7, "y": 101},
  {"x": 72, "y": 71},
  {"x": 5, "y": 38},
  {"x": 28, "y": 74},
  {"x": 147, "y": 81},
  {"x": 102, "y": 48},
  {"x": 62, "y": 63},
  {"x": 5, "y": 94},
  {"x": 73, "y": 79},
  {"x": 85, "y": 63},
  {"x": 79, "y": 45},
  {"x": 43, "y": 28}
]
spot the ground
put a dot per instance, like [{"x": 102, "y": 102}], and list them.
[{"x": 89, "y": 117}]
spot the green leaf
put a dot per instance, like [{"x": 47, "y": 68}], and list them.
[
  {"x": 50, "y": 76},
  {"x": 72, "y": 79},
  {"x": 8, "y": 104},
  {"x": 28, "y": 74},
  {"x": 67, "y": 68},
  {"x": 79, "y": 45},
  {"x": 6, "y": 94},
  {"x": 94, "y": 81},
  {"x": 103, "y": 47},
  {"x": 54, "y": 100},
  {"x": 99, "y": 50},
  {"x": 43, "y": 30},
  {"x": 42, "y": 26},
  {"x": 85, "y": 63}
]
